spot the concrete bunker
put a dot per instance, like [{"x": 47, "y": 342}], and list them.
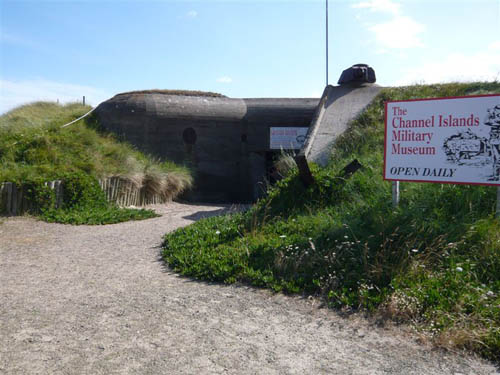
[
  {"x": 225, "y": 141},
  {"x": 231, "y": 143}
]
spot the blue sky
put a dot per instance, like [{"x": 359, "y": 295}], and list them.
[{"x": 63, "y": 50}]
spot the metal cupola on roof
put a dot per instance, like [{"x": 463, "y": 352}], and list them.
[{"x": 357, "y": 75}]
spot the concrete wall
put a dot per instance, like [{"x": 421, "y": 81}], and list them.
[{"x": 224, "y": 140}]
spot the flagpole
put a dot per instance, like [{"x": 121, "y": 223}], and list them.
[{"x": 327, "y": 42}]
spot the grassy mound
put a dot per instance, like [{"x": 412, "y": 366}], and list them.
[
  {"x": 433, "y": 262},
  {"x": 34, "y": 149}
]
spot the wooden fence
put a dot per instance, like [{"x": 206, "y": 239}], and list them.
[
  {"x": 13, "y": 199},
  {"x": 125, "y": 193}
]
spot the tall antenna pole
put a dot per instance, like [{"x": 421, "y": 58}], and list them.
[{"x": 327, "y": 42}]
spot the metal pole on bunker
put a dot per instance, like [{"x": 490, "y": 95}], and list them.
[
  {"x": 326, "y": 21},
  {"x": 395, "y": 194}
]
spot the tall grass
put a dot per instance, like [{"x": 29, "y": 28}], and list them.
[
  {"x": 433, "y": 262},
  {"x": 34, "y": 148},
  {"x": 33, "y": 145}
]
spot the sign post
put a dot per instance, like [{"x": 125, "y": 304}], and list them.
[
  {"x": 443, "y": 140},
  {"x": 395, "y": 193}
]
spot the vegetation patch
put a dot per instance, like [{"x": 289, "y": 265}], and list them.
[
  {"x": 433, "y": 262},
  {"x": 84, "y": 203},
  {"x": 35, "y": 149},
  {"x": 175, "y": 92}
]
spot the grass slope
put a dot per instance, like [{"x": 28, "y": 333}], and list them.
[
  {"x": 34, "y": 149},
  {"x": 433, "y": 262}
]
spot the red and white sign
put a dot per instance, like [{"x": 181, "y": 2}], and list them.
[
  {"x": 445, "y": 140},
  {"x": 287, "y": 138}
]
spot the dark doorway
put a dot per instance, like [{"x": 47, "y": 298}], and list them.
[{"x": 272, "y": 175}]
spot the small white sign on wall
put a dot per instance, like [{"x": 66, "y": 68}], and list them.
[
  {"x": 287, "y": 138},
  {"x": 445, "y": 140}
]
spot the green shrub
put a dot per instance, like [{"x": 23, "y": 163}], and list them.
[{"x": 83, "y": 202}]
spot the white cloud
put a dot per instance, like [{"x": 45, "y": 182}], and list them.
[
  {"x": 15, "y": 93},
  {"x": 387, "y": 6},
  {"x": 399, "y": 33},
  {"x": 7, "y": 38},
  {"x": 456, "y": 67},
  {"x": 12, "y": 39},
  {"x": 192, "y": 14},
  {"x": 495, "y": 46},
  {"x": 224, "y": 79}
]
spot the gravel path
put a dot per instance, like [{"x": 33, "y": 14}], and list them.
[{"x": 98, "y": 300}]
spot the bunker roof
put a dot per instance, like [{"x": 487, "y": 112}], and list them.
[{"x": 174, "y": 92}]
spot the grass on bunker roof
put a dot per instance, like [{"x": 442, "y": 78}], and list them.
[
  {"x": 434, "y": 262},
  {"x": 175, "y": 92}
]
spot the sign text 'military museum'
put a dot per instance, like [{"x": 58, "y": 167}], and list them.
[{"x": 446, "y": 140}]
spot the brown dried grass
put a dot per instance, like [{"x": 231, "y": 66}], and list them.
[
  {"x": 285, "y": 164},
  {"x": 167, "y": 186},
  {"x": 461, "y": 338}
]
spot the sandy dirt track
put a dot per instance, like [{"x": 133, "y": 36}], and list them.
[{"x": 98, "y": 300}]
